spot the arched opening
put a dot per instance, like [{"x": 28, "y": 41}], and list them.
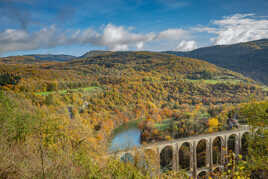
[
  {"x": 216, "y": 173},
  {"x": 217, "y": 150},
  {"x": 166, "y": 157},
  {"x": 231, "y": 147},
  {"x": 201, "y": 153},
  {"x": 231, "y": 144},
  {"x": 244, "y": 145},
  {"x": 127, "y": 157},
  {"x": 202, "y": 175},
  {"x": 185, "y": 156}
]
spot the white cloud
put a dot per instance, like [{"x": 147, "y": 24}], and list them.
[
  {"x": 186, "y": 45},
  {"x": 118, "y": 38},
  {"x": 11, "y": 40},
  {"x": 115, "y": 38},
  {"x": 204, "y": 29},
  {"x": 140, "y": 45},
  {"x": 83, "y": 37},
  {"x": 228, "y": 30},
  {"x": 119, "y": 47},
  {"x": 237, "y": 28},
  {"x": 173, "y": 34},
  {"x": 11, "y": 35}
]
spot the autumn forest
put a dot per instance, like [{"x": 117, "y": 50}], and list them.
[{"x": 58, "y": 118}]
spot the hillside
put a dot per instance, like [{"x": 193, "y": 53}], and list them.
[
  {"x": 126, "y": 86},
  {"x": 73, "y": 108},
  {"x": 50, "y": 57},
  {"x": 180, "y": 77},
  {"x": 94, "y": 53},
  {"x": 36, "y": 58},
  {"x": 135, "y": 85},
  {"x": 118, "y": 87},
  {"x": 249, "y": 59}
]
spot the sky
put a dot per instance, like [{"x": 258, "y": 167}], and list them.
[{"x": 74, "y": 27}]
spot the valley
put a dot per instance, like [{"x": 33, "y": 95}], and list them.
[
  {"x": 133, "y": 89},
  {"x": 118, "y": 100}
]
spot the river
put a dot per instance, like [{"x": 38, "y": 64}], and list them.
[{"x": 127, "y": 138}]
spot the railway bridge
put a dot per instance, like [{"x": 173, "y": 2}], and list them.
[{"x": 174, "y": 154}]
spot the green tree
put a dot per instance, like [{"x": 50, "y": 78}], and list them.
[{"x": 256, "y": 113}]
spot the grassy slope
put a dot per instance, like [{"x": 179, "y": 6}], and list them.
[{"x": 86, "y": 89}]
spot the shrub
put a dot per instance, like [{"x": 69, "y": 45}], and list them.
[{"x": 9, "y": 79}]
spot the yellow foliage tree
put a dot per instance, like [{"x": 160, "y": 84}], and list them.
[{"x": 213, "y": 122}]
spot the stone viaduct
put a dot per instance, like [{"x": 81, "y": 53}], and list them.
[{"x": 174, "y": 147}]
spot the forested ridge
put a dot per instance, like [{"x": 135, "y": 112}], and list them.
[
  {"x": 249, "y": 58},
  {"x": 35, "y": 58}
]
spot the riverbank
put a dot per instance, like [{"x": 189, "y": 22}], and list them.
[
  {"x": 125, "y": 136},
  {"x": 125, "y": 126}
]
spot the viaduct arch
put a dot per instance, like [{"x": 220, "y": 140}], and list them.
[{"x": 171, "y": 150}]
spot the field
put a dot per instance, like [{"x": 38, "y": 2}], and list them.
[{"x": 86, "y": 89}]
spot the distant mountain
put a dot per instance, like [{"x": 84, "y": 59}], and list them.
[
  {"x": 36, "y": 58},
  {"x": 250, "y": 58},
  {"x": 50, "y": 57},
  {"x": 94, "y": 53}
]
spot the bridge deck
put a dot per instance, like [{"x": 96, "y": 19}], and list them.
[
  {"x": 190, "y": 138},
  {"x": 243, "y": 128}
]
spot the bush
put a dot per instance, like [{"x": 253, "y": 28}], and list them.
[
  {"x": 9, "y": 79},
  {"x": 15, "y": 124}
]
